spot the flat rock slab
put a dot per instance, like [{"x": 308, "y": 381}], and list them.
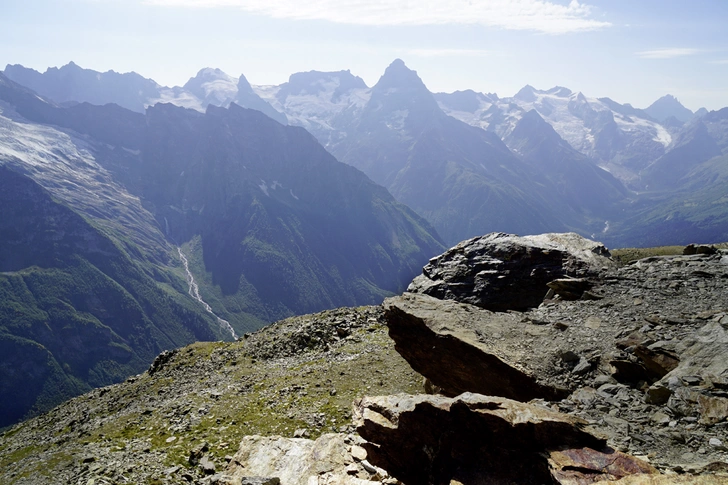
[
  {"x": 300, "y": 461},
  {"x": 474, "y": 439},
  {"x": 507, "y": 272},
  {"x": 463, "y": 348}
]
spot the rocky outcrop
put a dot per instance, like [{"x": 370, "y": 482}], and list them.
[
  {"x": 480, "y": 439},
  {"x": 330, "y": 459},
  {"x": 460, "y": 348},
  {"x": 641, "y": 353},
  {"x": 506, "y": 272}
]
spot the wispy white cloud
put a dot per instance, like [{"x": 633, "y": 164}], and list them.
[
  {"x": 670, "y": 53},
  {"x": 543, "y": 16},
  {"x": 720, "y": 61},
  {"x": 448, "y": 52}
]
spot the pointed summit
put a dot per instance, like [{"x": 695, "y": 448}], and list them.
[
  {"x": 247, "y": 98},
  {"x": 399, "y": 76},
  {"x": 533, "y": 135},
  {"x": 527, "y": 94},
  {"x": 402, "y": 99},
  {"x": 668, "y": 106}
]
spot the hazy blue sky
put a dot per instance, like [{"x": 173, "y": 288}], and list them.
[{"x": 633, "y": 51}]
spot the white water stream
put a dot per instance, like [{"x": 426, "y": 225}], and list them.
[{"x": 195, "y": 293}]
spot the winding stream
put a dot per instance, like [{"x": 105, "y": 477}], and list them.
[{"x": 194, "y": 292}]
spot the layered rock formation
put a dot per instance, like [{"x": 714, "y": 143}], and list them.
[
  {"x": 460, "y": 348},
  {"x": 641, "y": 352}
]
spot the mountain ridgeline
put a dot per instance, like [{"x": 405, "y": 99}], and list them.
[
  {"x": 119, "y": 191},
  {"x": 604, "y": 169},
  {"x": 96, "y": 199}
]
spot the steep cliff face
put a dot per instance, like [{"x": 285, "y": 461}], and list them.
[
  {"x": 75, "y": 310},
  {"x": 276, "y": 213}
]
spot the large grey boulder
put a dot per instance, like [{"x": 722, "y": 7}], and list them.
[
  {"x": 463, "y": 348},
  {"x": 508, "y": 272}
]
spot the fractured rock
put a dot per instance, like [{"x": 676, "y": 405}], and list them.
[
  {"x": 508, "y": 272},
  {"x": 452, "y": 345},
  {"x": 481, "y": 439},
  {"x": 712, "y": 410},
  {"x": 586, "y": 465},
  {"x": 299, "y": 461},
  {"x": 704, "y": 358}
]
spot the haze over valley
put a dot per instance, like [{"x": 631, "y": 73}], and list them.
[{"x": 453, "y": 160}]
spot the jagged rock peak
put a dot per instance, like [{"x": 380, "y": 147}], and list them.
[
  {"x": 579, "y": 97},
  {"x": 398, "y": 75},
  {"x": 667, "y": 106},
  {"x": 244, "y": 85},
  {"x": 527, "y": 93}
]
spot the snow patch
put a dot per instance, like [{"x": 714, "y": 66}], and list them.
[
  {"x": 397, "y": 119},
  {"x": 264, "y": 187}
]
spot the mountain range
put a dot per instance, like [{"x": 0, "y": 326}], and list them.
[
  {"x": 138, "y": 217},
  {"x": 115, "y": 224}
]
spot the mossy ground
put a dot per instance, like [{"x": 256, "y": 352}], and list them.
[
  {"x": 625, "y": 255},
  {"x": 215, "y": 393}
]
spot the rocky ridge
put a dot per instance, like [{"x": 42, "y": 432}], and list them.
[
  {"x": 642, "y": 357},
  {"x": 640, "y": 361}
]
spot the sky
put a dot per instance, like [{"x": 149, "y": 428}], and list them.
[{"x": 633, "y": 51}]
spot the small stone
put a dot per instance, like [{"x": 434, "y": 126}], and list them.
[
  {"x": 368, "y": 467},
  {"x": 260, "y": 481},
  {"x": 569, "y": 356},
  {"x": 610, "y": 388},
  {"x": 717, "y": 444},
  {"x": 603, "y": 379},
  {"x": 582, "y": 367},
  {"x": 207, "y": 465},
  {"x": 712, "y": 410},
  {"x": 359, "y": 453},
  {"x": 170, "y": 439},
  {"x": 660, "y": 418},
  {"x": 301, "y": 433},
  {"x": 593, "y": 322}
]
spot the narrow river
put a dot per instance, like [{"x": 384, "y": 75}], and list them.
[{"x": 195, "y": 293}]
